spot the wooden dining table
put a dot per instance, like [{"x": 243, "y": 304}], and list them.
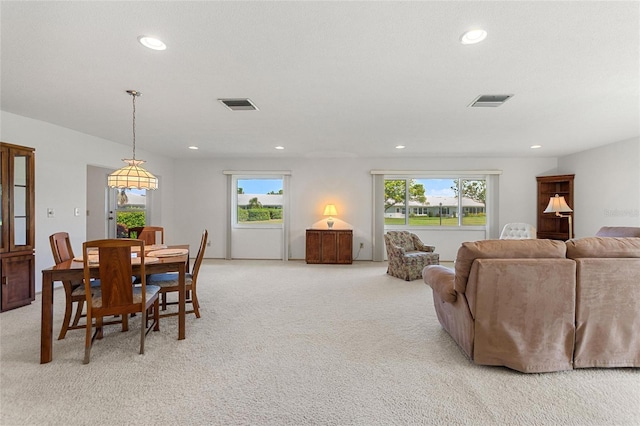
[{"x": 74, "y": 270}]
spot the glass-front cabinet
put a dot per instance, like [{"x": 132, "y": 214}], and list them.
[{"x": 17, "y": 225}]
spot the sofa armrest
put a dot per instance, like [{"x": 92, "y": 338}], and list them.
[{"x": 440, "y": 279}]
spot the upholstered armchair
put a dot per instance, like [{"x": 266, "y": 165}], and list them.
[
  {"x": 518, "y": 231},
  {"x": 407, "y": 255}
]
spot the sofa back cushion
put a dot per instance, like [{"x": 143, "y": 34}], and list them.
[
  {"x": 502, "y": 249},
  {"x": 618, "y": 231},
  {"x": 603, "y": 247}
]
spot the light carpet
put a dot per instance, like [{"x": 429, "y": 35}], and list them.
[{"x": 286, "y": 343}]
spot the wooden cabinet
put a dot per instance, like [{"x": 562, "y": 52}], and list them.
[
  {"x": 17, "y": 226},
  {"x": 549, "y": 225},
  {"x": 329, "y": 246}
]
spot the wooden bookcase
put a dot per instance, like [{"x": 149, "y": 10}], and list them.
[
  {"x": 329, "y": 246},
  {"x": 549, "y": 225},
  {"x": 17, "y": 226}
]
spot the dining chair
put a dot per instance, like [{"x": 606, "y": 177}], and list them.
[
  {"x": 116, "y": 294},
  {"x": 74, "y": 291},
  {"x": 149, "y": 234},
  {"x": 169, "y": 282}
]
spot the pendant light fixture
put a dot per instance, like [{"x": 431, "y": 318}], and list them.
[{"x": 133, "y": 176}]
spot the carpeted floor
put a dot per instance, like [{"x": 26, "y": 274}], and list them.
[{"x": 286, "y": 343}]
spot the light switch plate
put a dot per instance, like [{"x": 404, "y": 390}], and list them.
[
  {"x": 51, "y": 212},
  {"x": 76, "y": 212}
]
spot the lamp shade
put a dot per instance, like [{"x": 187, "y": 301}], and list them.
[
  {"x": 132, "y": 176},
  {"x": 557, "y": 204},
  {"x": 330, "y": 210}
]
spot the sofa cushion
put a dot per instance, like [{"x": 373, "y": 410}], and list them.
[
  {"x": 603, "y": 247},
  {"x": 502, "y": 249}
]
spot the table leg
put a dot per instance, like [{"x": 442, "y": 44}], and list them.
[
  {"x": 182, "y": 298},
  {"x": 46, "y": 332}
]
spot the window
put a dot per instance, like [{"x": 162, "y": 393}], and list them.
[
  {"x": 259, "y": 202},
  {"x": 435, "y": 202}
]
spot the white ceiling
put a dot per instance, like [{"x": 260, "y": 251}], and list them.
[{"x": 346, "y": 79}]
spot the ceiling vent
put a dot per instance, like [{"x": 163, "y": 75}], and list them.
[
  {"x": 490, "y": 100},
  {"x": 239, "y": 104}
]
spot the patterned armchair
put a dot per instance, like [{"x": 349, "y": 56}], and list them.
[{"x": 407, "y": 255}]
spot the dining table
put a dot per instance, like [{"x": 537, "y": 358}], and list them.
[{"x": 73, "y": 270}]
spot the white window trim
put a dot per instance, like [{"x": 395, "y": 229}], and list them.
[
  {"x": 378, "y": 226},
  {"x": 232, "y": 207},
  {"x": 234, "y": 202}
]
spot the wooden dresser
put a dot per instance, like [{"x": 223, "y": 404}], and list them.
[{"x": 329, "y": 246}]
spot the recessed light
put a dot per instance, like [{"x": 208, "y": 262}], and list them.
[
  {"x": 535, "y": 146},
  {"x": 279, "y": 147},
  {"x": 152, "y": 43},
  {"x": 193, "y": 147},
  {"x": 473, "y": 37},
  {"x": 400, "y": 147}
]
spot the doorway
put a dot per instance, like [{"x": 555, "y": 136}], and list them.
[{"x": 110, "y": 212}]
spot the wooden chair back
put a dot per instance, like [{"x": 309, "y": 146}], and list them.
[
  {"x": 115, "y": 272},
  {"x": 62, "y": 251},
  {"x": 149, "y": 234},
  {"x": 199, "y": 256},
  {"x": 61, "y": 247}
]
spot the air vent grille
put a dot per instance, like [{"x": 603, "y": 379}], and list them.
[
  {"x": 490, "y": 100},
  {"x": 239, "y": 104}
]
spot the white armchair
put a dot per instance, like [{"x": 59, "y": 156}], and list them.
[{"x": 518, "y": 231}]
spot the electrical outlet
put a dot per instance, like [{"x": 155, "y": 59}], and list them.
[{"x": 361, "y": 245}]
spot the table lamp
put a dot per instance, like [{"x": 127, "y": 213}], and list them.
[
  {"x": 330, "y": 210},
  {"x": 558, "y": 205}
]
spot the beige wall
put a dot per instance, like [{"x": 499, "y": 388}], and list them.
[
  {"x": 607, "y": 186},
  {"x": 193, "y": 193}
]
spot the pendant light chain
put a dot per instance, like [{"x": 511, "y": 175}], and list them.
[{"x": 134, "y": 94}]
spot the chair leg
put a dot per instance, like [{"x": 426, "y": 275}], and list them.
[
  {"x": 67, "y": 311},
  {"x": 196, "y": 305},
  {"x": 89, "y": 339},
  {"x": 156, "y": 315},
  {"x": 125, "y": 322},
  {"x": 143, "y": 330},
  {"x": 79, "y": 309},
  {"x": 164, "y": 301}
]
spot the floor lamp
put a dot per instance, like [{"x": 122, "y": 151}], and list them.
[{"x": 558, "y": 205}]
